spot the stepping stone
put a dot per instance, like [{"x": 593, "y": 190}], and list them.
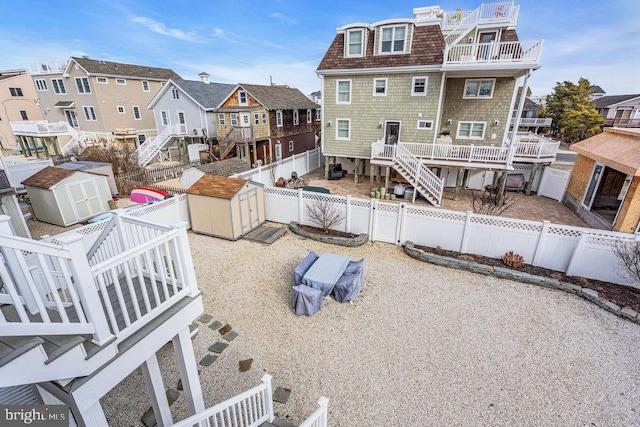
[
  {"x": 215, "y": 325},
  {"x": 208, "y": 360},
  {"x": 205, "y": 318},
  {"x": 149, "y": 418},
  {"x": 218, "y": 347},
  {"x": 245, "y": 365},
  {"x": 226, "y": 328},
  {"x": 230, "y": 336},
  {"x": 281, "y": 394},
  {"x": 172, "y": 396},
  {"x": 279, "y": 422}
]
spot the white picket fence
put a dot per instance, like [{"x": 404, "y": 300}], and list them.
[
  {"x": 299, "y": 163},
  {"x": 575, "y": 251}
]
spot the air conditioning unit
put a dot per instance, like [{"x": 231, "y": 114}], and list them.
[{"x": 198, "y": 132}]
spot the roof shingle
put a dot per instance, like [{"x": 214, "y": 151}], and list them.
[
  {"x": 605, "y": 101},
  {"x": 217, "y": 186},
  {"x": 48, "y": 177},
  {"x": 208, "y": 95},
  {"x": 94, "y": 66},
  {"x": 279, "y": 97}
]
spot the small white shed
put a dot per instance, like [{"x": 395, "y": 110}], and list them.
[
  {"x": 65, "y": 196},
  {"x": 189, "y": 177},
  {"x": 225, "y": 207},
  {"x": 101, "y": 168}
]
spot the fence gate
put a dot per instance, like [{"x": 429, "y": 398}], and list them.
[{"x": 553, "y": 183}]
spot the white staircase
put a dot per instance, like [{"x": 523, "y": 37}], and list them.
[
  {"x": 152, "y": 146},
  {"x": 486, "y": 13},
  {"x": 77, "y": 141},
  {"x": 418, "y": 175}
]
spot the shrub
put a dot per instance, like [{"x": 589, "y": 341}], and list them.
[
  {"x": 513, "y": 260},
  {"x": 325, "y": 214}
]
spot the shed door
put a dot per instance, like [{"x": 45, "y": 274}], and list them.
[
  {"x": 249, "y": 213},
  {"x": 85, "y": 198}
]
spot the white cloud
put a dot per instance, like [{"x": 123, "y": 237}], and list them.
[
  {"x": 219, "y": 32},
  {"x": 283, "y": 18},
  {"x": 160, "y": 28}
]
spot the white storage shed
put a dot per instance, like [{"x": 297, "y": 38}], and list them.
[{"x": 101, "y": 168}]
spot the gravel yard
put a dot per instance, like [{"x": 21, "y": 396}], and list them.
[{"x": 422, "y": 345}]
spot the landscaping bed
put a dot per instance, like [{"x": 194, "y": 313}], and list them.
[{"x": 333, "y": 237}]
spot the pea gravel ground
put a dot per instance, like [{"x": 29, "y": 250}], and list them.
[{"x": 422, "y": 346}]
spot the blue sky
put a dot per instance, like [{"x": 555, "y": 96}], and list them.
[{"x": 249, "y": 41}]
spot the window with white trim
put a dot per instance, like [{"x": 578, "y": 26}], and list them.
[
  {"x": 296, "y": 117},
  {"x": 175, "y": 93},
  {"x": 278, "y": 151},
  {"x": 145, "y": 86},
  {"x": 264, "y": 118},
  {"x": 82, "y": 84},
  {"x": 58, "y": 86},
  {"x": 424, "y": 125},
  {"x": 24, "y": 115},
  {"x": 121, "y": 82},
  {"x": 343, "y": 91},
  {"x": 279, "y": 118},
  {"x": 16, "y": 91},
  {"x": 392, "y": 39},
  {"x": 142, "y": 138},
  {"x": 137, "y": 115},
  {"x": 256, "y": 118},
  {"x": 234, "y": 119},
  {"x": 479, "y": 88},
  {"x": 419, "y": 86},
  {"x": 242, "y": 97},
  {"x": 221, "y": 120},
  {"x": 164, "y": 117},
  {"x": 121, "y": 109},
  {"x": 308, "y": 115},
  {"x": 89, "y": 113},
  {"x": 343, "y": 129},
  {"x": 102, "y": 80},
  {"x": 318, "y": 114},
  {"x": 379, "y": 87},
  {"x": 290, "y": 146},
  {"x": 355, "y": 43},
  {"x": 471, "y": 130},
  {"x": 41, "y": 85}
]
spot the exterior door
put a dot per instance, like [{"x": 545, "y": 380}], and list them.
[
  {"x": 182, "y": 123},
  {"x": 85, "y": 199},
  {"x": 486, "y": 42},
  {"x": 593, "y": 185},
  {"x": 249, "y": 213},
  {"x": 245, "y": 125},
  {"x": 71, "y": 118},
  {"x": 392, "y": 133}
]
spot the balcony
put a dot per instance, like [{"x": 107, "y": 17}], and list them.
[
  {"x": 533, "y": 122},
  {"x": 501, "y": 13},
  {"x": 517, "y": 54},
  {"x": 623, "y": 123},
  {"x": 40, "y": 128}
]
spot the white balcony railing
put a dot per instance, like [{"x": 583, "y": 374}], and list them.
[
  {"x": 533, "y": 121},
  {"x": 487, "y": 13},
  {"x": 39, "y": 128},
  {"x": 527, "y": 52}
]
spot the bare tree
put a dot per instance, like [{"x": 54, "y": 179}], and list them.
[
  {"x": 488, "y": 204},
  {"x": 325, "y": 214},
  {"x": 628, "y": 253}
]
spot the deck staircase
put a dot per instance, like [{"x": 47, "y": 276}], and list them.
[
  {"x": 154, "y": 145},
  {"x": 466, "y": 21},
  {"x": 418, "y": 175},
  {"x": 77, "y": 142}
]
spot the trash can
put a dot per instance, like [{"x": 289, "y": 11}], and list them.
[{"x": 408, "y": 193}]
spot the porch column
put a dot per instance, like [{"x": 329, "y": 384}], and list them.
[
  {"x": 523, "y": 95},
  {"x": 501, "y": 187},
  {"x": 459, "y": 177},
  {"x": 371, "y": 172},
  {"x": 532, "y": 175},
  {"x": 327, "y": 165},
  {"x": 155, "y": 385},
  {"x": 387, "y": 172},
  {"x": 21, "y": 143},
  {"x": 186, "y": 361},
  {"x": 356, "y": 166},
  {"x": 494, "y": 183}
]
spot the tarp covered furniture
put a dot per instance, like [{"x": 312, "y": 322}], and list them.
[
  {"x": 336, "y": 171},
  {"x": 306, "y": 300},
  {"x": 348, "y": 286},
  {"x": 325, "y": 272},
  {"x": 302, "y": 268},
  {"x": 515, "y": 182}
]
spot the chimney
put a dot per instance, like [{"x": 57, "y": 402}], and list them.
[{"x": 204, "y": 77}]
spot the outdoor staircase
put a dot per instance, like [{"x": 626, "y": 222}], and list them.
[
  {"x": 418, "y": 175},
  {"x": 78, "y": 141},
  {"x": 148, "y": 151},
  {"x": 466, "y": 21}
]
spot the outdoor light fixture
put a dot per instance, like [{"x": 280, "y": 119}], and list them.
[
  {"x": 449, "y": 121},
  {"x": 380, "y": 125},
  {"x": 329, "y": 124},
  {"x": 496, "y": 122}
]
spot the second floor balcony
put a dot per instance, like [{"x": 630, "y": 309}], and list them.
[
  {"x": 40, "y": 128},
  {"x": 623, "y": 123},
  {"x": 533, "y": 121},
  {"x": 514, "y": 54}
]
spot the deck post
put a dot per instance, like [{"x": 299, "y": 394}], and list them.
[
  {"x": 532, "y": 175},
  {"x": 459, "y": 177},
  {"x": 185, "y": 258},
  {"x": 355, "y": 171},
  {"x": 155, "y": 385},
  {"x": 188, "y": 369},
  {"x": 501, "y": 188},
  {"x": 327, "y": 165}
]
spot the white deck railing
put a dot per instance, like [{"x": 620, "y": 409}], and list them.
[
  {"x": 493, "y": 53},
  {"x": 533, "y": 121},
  {"x": 455, "y": 24},
  {"x": 152, "y": 146},
  {"x": 319, "y": 417},
  {"x": 422, "y": 175},
  {"x": 248, "y": 409},
  {"x": 39, "y": 128}
]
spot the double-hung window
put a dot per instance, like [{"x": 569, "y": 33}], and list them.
[
  {"x": 242, "y": 97},
  {"x": 175, "y": 93},
  {"x": 379, "y": 87},
  {"x": 15, "y": 91},
  {"x": 136, "y": 113},
  {"x": 296, "y": 117},
  {"x": 256, "y": 118},
  {"x": 290, "y": 146},
  {"x": 479, "y": 88},
  {"x": 234, "y": 119},
  {"x": 82, "y": 83},
  {"x": 24, "y": 115},
  {"x": 279, "y": 118},
  {"x": 41, "y": 85},
  {"x": 308, "y": 115},
  {"x": 89, "y": 113},
  {"x": 145, "y": 86},
  {"x": 393, "y": 39},
  {"x": 343, "y": 92},
  {"x": 264, "y": 118},
  {"x": 355, "y": 43},
  {"x": 471, "y": 130},
  {"x": 221, "y": 120},
  {"x": 164, "y": 117},
  {"x": 343, "y": 129},
  {"x": 419, "y": 86},
  {"x": 58, "y": 86}
]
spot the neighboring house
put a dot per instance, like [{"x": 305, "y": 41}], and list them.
[
  {"x": 604, "y": 185},
  {"x": 316, "y": 97},
  {"x": 620, "y": 110},
  {"x": 184, "y": 110},
  {"x": 89, "y": 101},
  {"x": 19, "y": 102},
  {"x": 266, "y": 123},
  {"x": 596, "y": 92},
  {"x": 436, "y": 90},
  {"x": 529, "y": 119}
]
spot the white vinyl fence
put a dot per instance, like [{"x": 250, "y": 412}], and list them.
[
  {"x": 575, "y": 251},
  {"x": 299, "y": 163}
]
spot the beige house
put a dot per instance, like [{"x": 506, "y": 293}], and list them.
[
  {"x": 19, "y": 102},
  {"x": 436, "y": 90},
  {"x": 88, "y": 101}
]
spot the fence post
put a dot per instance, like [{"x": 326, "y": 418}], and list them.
[
  {"x": 347, "y": 222},
  {"x": 268, "y": 398},
  {"x": 400, "y": 224},
  {"x": 372, "y": 219},
  {"x": 541, "y": 240},
  {"x": 123, "y": 235},
  {"x": 86, "y": 287},
  {"x": 308, "y": 165},
  {"x": 465, "y": 232},
  {"x": 300, "y": 206},
  {"x": 576, "y": 252},
  {"x": 185, "y": 258}
]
